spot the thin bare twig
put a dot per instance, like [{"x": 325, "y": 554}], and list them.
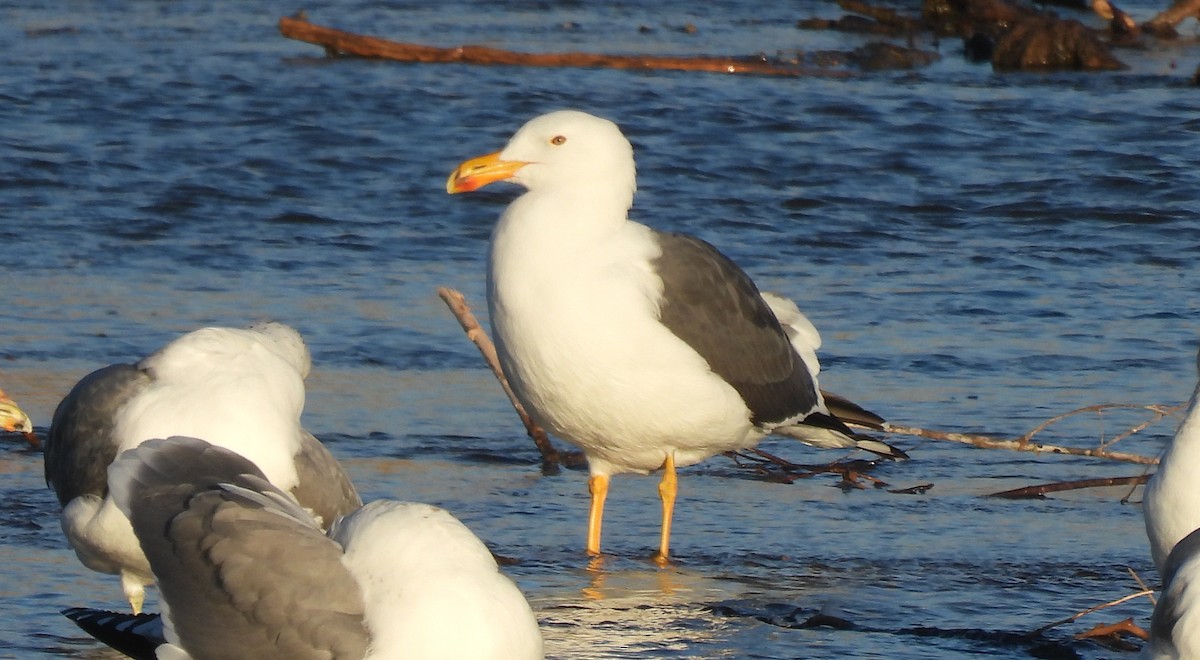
[
  {"x": 1159, "y": 410},
  {"x": 1021, "y": 444},
  {"x": 1114, "y": 630},
  {"x": 1097, "y": 608},
  {"x": 1166, "y": 21},
  {"x": 1137, "y": 578},
  {"x": 1159, "y": 413},
  {"x": 457, "y": 303},
  {"x": 1038, "y": 491}
]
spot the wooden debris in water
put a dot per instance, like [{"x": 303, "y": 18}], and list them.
[
  {"x": 1165, "y": 22},
  {"x": 551, "y": 457},
  {"x": 1025, "y": 442},
  {"x": 1039, "y": 491},
  {"x": 1090, "y": 610},
  {"x": 339, "y": 42},
  {"x": 1120, "y": 23},
  {"x": 919, "y": 489},
  {"x": 1111, "y": 634}
]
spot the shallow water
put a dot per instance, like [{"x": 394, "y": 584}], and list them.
[{"x": 981, "y": 252}]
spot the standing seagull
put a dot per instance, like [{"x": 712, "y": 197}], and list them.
[
  {"x": 1171, "y": 503},
  {"x": 246, "y": 573},
  {"x": 240, "y": 388},
  {"x": 646, "y": 349}
]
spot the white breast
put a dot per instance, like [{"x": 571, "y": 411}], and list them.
[{"x": 574, "y": 311}]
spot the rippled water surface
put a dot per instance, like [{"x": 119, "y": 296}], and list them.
[{"x": 981, "y": 252}]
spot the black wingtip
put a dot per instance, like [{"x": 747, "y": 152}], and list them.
[
  {"x": 135, "y": 635},
  {"x": 823, "y": 421},
  {"x": 850, "y": 412},
  {"x": 879, "y": 447}
]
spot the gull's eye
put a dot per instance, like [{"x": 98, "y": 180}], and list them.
[{"x": 558, "y": 139}]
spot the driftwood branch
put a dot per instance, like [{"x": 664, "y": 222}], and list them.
[
  {"x": 551, "y": 457},
  {"x": 1141, "y": 584},
  {"x": 1164, "y": 23},
  {"x": 1097, "y": 608},
  {"x": 1025, "y": 443},
  {"x": 1038, "y": 491},
  {"x": 984, "y": 442},
  {"x": 1158, "y": 410},
  {"x": 347, "y": 43},
  {"x": 1119, "y": 22},
  {"x": 1112, "y": 634},
  {"x": 882, "y": 15}
]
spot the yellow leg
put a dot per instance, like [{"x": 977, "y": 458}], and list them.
[
  {"x": 598, "y": 487},
  {"x": 667, "y": 489}
]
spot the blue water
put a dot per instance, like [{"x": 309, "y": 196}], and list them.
[{"x": 981, "y": 252}]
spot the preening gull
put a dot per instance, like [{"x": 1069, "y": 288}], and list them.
[
  {"x": 12, "y": 418},
  {"x": 15, "y": 420},
  {"x": 646, "y": 349},
  {"x": 245, "y": 572},
  {"x": 239, "y": 388},
  {"x": 1175, "y": 624},
  {"x": 1171, "y": 502}
]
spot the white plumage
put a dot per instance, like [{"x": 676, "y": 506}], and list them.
[
  {"x": 1175, "y": 624},
  {"x": 241, "y": 388},
  {"x": 646, "y": 349},
  {"x": 1171, "y": 503},
  {"x": 432, "y": 588},
  {"x": 246, "y": 572}
]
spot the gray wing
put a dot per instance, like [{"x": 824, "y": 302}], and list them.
[
  {"x": 80, "y": 443},
  {"x": 323, "y": 486},
  {"x": 245, "y": 571},
  {"x": 714, "y": 306}
]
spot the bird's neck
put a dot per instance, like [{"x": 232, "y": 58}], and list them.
[
  {"x": 1189, "y": 428},
  {"x": 566, "y": 218}
]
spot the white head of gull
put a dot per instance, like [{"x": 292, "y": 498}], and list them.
[
  {"x": 646, "y": 349},
  {"x": 242, "y": 388},
  {"x": 1171, "y": 503},
  {"x": 245, "y": 572}
]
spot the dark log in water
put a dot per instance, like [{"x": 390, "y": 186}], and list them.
[
  {"x": 338, "y": 42},
  {"x": 1052, "y": 44},
  {"x": 1013, "y": 36},
  {"x": 1041, "y": 490}
]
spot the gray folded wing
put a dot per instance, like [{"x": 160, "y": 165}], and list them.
[
  {"x": 324, "y": 487},
  {"x": 713, "y": 306},
  {"x": 244, "y": 571}
]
